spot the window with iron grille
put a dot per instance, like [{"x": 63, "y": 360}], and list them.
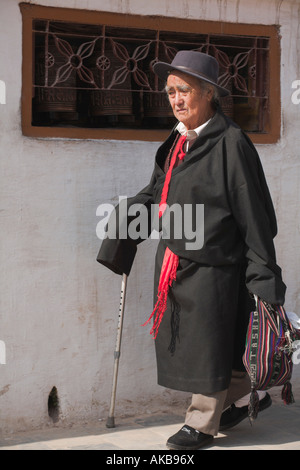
[{"x": 98, "y": 75}]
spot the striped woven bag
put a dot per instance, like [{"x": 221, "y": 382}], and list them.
[{"x": 268, "y": 352}]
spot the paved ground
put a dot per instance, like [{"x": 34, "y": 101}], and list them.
[{"x": 277, "y": 428}]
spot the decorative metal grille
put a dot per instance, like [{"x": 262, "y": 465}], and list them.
[{"x": 102, "y": 76}]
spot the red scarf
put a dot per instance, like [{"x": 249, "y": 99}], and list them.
[{"x": 170, "y": 261}]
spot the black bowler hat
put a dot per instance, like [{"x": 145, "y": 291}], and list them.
[{"x": 193, "y": 63}]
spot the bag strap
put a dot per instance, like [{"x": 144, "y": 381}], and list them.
[
  {"x": 253, "y": 405},
  {"x": 254, "y": 344}
]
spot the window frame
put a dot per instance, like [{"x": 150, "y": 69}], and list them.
[{"x": 31, "y": 12}]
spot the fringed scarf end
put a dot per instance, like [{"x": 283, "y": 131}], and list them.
[
  {"x": 167, "y": 276},
  {"x": 175, "y": 323},
  {"x": 253, "y": 406},
  {"x": 287, "y": 394}
]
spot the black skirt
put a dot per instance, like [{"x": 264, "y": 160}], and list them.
[{"x": 202, "y": 334}]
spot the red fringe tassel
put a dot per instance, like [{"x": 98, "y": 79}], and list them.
[{"x": 167, "y": 276}]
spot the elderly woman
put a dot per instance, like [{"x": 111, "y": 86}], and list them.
[{"x": 203, "y": 291}]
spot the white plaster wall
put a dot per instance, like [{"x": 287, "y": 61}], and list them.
[{"x": 58, "y": 307}]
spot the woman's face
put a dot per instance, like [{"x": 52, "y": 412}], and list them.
[{"x": 190, "y": 104}]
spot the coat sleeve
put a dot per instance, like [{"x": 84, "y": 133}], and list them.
[
  {"x": 118, "y": 249},
  {"x": 253, "y": 210}
]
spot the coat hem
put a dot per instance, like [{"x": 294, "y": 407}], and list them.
[{"x": 204, "y": 387}]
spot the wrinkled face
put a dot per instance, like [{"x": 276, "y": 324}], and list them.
[{"x": 190, "y": 104}]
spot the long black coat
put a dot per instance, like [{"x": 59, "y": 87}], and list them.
[{"x": 222, "y": 170}]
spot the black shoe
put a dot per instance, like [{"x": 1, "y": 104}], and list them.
[
  {"x": 233, "y": 415},
  {"x": 189, "y": 439}
]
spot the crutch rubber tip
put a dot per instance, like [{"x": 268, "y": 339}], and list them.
[{"x": 110, "y": 423}]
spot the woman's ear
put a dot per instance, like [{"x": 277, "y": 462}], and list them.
[{"x": 210, "y": 93}]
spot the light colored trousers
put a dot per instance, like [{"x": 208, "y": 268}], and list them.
[{"x": 205, "y": 411}]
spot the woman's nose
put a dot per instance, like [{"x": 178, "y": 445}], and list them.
[{"x": 178, "y": 98}]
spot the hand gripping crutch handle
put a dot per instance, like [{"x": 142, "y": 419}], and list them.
[{"x": 111, "y": 419}]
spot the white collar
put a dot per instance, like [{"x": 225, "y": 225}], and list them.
[{"x": 190, "y": 134}]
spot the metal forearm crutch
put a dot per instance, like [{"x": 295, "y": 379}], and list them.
[{"x": 111, "y": 419}]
